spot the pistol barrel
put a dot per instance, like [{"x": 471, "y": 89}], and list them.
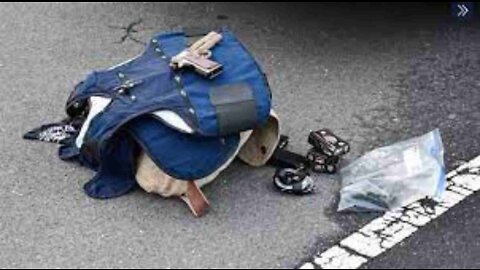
[{"x": 206, "y": 43}]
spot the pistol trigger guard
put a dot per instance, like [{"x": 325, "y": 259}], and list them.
[{"x": 206, "y": 54}]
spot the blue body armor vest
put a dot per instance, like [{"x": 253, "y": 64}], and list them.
[{"x": 216, "y": 110}]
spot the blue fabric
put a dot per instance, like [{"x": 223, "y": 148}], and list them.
[
  {"x": 158, "y": 87},
  {"x": 183, "y": 156},
  {"x": 116, "y": 175},
  {"x": 108, "y": 149},
  {"x": 239, "y": 67}
]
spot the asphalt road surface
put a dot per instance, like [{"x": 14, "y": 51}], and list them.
[{"x": 373, "y": 73}]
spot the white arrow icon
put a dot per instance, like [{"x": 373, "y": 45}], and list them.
[{"x": 463, "y": 10}]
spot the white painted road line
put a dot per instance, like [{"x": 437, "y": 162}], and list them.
[{"x": 395, "y": 226}]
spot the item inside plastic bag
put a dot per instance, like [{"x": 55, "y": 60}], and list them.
[{"x": 395, "y": 176}]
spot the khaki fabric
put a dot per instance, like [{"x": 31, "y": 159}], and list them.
[
  {"x": 262, "y": 143},
  {"x": 153, "y": 180},
  {"x": 255, "y": 148}
]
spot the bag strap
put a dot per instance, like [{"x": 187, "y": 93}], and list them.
[{"x": 196, "y": 200}]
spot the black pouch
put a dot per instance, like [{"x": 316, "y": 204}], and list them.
[{"x": 235, "y": 108}]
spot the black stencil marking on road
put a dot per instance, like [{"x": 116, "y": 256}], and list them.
[{"x": 130, "y": 30}]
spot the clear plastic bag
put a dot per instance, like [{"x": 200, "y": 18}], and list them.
[{"x": 394, "y": 176}]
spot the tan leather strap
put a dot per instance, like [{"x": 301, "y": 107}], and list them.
[{"x": 196, "y": 200}]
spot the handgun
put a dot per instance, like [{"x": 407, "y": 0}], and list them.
[{"x": 197, "y": 56}]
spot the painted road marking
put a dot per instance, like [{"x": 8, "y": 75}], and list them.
[{"x": 395, "y": 226}]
